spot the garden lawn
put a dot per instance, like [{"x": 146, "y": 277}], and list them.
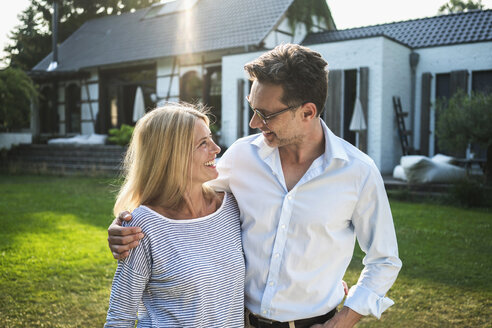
[
  {"x": 55, "y": 266},
  {"x": 447, "y": 262},
  {"x": 56, "y": 269}
]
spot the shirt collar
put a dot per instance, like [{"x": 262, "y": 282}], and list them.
[
  {"x": 264, "y": 150},
  {"x": 333, "y": 146}
]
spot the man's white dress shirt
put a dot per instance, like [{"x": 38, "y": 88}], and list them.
[{"x": 299, "y": 243}]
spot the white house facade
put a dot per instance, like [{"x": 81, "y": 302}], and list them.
[
  {"x": 105, "y": 63},
  {"x": 169, "y": 54},
  {"x": 419, "y": 61}
]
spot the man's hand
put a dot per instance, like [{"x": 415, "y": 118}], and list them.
[
  {"x": 346, "y": 318},
  {"x": 122, "y": 239}
]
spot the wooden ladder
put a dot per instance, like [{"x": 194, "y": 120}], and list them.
[{"x": 403, "y": 133}]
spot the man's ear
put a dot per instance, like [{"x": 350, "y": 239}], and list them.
[{"x": 308, "y": 111}]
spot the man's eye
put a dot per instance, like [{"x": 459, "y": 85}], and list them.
[{"x": 259, "y": 113}]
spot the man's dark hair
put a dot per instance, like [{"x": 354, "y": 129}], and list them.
[{"x": 300, "y": 72}]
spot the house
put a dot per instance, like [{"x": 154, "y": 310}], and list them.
[
  {"x": 197, "y": 52},
  {"x": 171, "y": 51},
  {"x": 418, "y": 60}
]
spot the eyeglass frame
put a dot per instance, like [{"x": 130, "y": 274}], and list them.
[{"x": 264, "y": 118}]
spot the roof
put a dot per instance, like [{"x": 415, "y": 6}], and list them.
[
  {"x": 209, "y": 25},
  {"x": 459, "y": 28}
]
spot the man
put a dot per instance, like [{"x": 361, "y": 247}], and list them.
[{"x": 304, "y": 195}]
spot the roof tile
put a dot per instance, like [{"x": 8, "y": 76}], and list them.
[
  {"x": 465, "y": 27},
  {"x": 209, "y": 25}
]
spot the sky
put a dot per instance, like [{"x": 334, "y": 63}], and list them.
[{"x": 346, "y": 13}]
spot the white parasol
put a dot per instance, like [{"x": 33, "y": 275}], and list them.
[
  {"x": 138, "y": 105},
  {"x": 358, "y": 122}
]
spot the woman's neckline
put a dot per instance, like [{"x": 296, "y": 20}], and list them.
[{"x": 184, "y": 220}]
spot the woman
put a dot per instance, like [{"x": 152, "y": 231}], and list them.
[{"x": 188, "y": 271}]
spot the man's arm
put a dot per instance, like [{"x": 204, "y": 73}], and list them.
[
  {"x": 375, "y": 233},
  {"x": 122, "y": 239},
  {"x": 373, "y": 226}
]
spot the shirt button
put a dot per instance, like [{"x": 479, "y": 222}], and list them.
[
  {"x": 277, "y": 255},
  {"x": 264, "y": 311},
  {"x": 283, "y": 226},
  {"x": 289, "y": 197},
  {"x": 271, "y": 283}
]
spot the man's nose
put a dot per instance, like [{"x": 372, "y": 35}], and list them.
[{"x": 256, "y": 122}]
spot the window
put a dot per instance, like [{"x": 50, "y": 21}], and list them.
[
  {"x": 72, "y": 108},
  {"x": 482, "y": 81},
  {"x": 190, "y": 87}
]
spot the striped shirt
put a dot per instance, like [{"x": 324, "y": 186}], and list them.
[{"x": 184, "y": 273}]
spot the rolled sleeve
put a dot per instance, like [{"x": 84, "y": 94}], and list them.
[
  {"x": 373, "y": 224},
  {"x": 366, "y": 302}
]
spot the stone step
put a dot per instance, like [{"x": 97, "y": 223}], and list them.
[
  {"x": 66, "y": 158},
  {"x": 70, "y": 151},
  {"x": 64, "y": 169}
]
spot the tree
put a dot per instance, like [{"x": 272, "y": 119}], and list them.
[
  {"x": 30, "y": 44},
  {"x": 16, "y": 93},
  {"x": 303, "y": 11},
  {"x": 464, "y": 120},
  {"x": 32, "y": 38},
  {"x": 456, "y": 6}
]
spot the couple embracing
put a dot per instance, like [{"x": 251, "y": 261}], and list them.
[{"x": 263, "y": 238}]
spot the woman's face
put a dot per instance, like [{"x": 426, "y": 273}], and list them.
[{"x": 204, "y": 152}]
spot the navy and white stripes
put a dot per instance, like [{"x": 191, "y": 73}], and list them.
[{"x": 184, "y": 273}]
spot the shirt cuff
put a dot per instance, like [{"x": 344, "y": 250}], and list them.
[{"x": 365, "y": 302}]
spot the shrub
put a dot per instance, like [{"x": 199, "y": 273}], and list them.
[
  {"x": 471, "y": 193},
  {"x": 122, "y": 135},
  {"x": 16, "y": 93},
  {"x": 466, "y": 119}
]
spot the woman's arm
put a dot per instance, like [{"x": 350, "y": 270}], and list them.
[
  {"x": 126, "y": 295},
  {"x": 130, "y": 280}
]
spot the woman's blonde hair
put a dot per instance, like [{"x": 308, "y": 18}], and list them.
[{"x": 157, "y": 162}]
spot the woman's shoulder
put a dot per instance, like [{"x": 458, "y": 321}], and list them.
[
  {"x": 224, "y": 198},
  {"x": 142, "y": 216},
  {"x": 229, "y": 197},
  {"x": 228, "y": 202}
]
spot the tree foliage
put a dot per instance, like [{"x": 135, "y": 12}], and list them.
[
  {"x": 466, "y": 119},
  {"x": 16, "y": 93},
  {"x": 303, "y": 11},
  {"x": 30, "y": 44},
  {"x": 456, "y": 6},
  {"x": 32, "y": 38}
]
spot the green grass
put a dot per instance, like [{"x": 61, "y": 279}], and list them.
[
  {"x": 447, "y": 261},
  {"x": 56, "y": 269}
]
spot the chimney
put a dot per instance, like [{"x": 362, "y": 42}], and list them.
[{"x": 54, "y": 23}]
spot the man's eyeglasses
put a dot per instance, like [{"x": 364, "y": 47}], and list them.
[{"x": 264, "y": 118}]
